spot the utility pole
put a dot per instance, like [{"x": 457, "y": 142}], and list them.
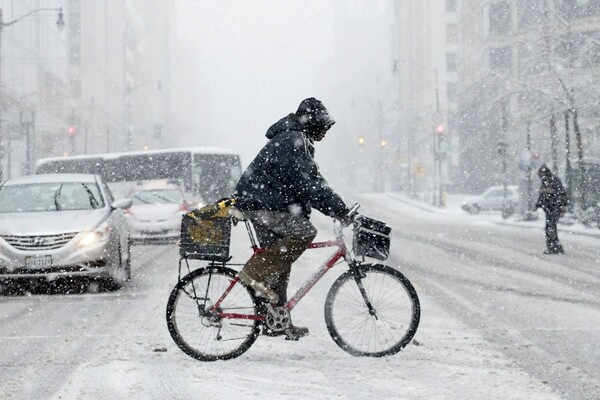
[
  {"x": 553, "y": 144},
  {"x": 502, "y": 149},
  {"x": 529, "y": 216},
  {"x": 437, "y": 145},
  {"x": 582, "y": 182},
  {"x": 568, "y": 168}
]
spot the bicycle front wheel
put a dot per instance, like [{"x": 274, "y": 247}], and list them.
[
  {"x": 374, "y": 313},
  {"x": 196, "y": 326}
]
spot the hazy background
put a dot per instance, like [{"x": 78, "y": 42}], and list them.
[{"x": 257, "y": 61}]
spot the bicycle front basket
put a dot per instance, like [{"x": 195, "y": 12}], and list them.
[
  {"x": 371, "y": 238},
  {"x": 206, "y": 234}
]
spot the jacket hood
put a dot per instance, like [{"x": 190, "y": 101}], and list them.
[{"x": 285, "y": 124}]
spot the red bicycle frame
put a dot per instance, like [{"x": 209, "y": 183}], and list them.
[{"x": 301, "y": 292}]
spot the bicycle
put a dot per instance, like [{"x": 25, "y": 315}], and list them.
[{"x": 371, "y": 309}]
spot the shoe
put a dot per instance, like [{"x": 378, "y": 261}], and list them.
[
  {"x": 557, "y": 251},
  {"x": 292, "y": 333},
  {"x": 260, "y": 289},
  {"x": 296, "y": 332}
]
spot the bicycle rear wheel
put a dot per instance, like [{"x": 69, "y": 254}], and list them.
[
  {"x": 375, "y": 313},
  {"x": 197, "y": 330}
]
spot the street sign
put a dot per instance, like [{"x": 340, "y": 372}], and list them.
[{"x": 418, "y": 170}]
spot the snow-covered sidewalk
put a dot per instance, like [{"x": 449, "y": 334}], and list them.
[{"x": 454, "y": 211}]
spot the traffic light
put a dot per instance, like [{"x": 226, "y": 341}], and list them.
[
  {"x": 383, "y": 143},
  {"x": 71, "y": 130},
  {"x": 361, "y": 140},
  {"x": 439, "y": 129}
]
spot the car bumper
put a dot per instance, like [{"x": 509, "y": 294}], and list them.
[
  {"x": 166, "y": 231},
  {"x": 69, "y": 260}
]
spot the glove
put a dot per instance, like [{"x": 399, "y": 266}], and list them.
[{"x": 346, "y": 219}]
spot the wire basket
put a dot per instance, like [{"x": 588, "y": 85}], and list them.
[{"x": 206, "y": 234}]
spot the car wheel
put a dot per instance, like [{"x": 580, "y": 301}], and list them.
[{"x": 474, "y": 209}]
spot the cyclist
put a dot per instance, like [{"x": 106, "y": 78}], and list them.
[{"x": 277, "y": 192}]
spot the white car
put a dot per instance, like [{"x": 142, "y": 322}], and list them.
[
  {"x": 155, "y": 215},
  {"x": 492, "y": 199},
  {"x": 60, "y": 225}
]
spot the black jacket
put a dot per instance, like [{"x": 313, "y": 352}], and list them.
[
  {"x": 552, "y": 194},
  {"x": 285, "y": 177}
]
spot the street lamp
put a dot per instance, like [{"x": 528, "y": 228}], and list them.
[
  {"x": 437, "y": 118},
  {"x": 60, "y": 25},
  {"x": 129, "y": 106}
]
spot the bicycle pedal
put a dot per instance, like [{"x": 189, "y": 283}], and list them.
[{"x": 290, "y": 336}]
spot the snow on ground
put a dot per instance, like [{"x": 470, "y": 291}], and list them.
[{"x": 447, "y": 360}]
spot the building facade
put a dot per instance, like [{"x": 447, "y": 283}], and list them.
[
  {"x": 526, "y": 66},
  {"x": 426, "y": 63},
  {"x": 32, "y": 82},
  {"x": 105, "y": 80}
]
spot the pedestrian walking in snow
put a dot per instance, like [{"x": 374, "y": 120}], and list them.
[{"x": 553, "y": 200}]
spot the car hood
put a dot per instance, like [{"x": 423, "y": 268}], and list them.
[
  {"x": 154, "y": 211},
  {"x": 28, "y": 223}
]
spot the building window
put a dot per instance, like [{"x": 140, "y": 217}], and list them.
[
  {"x": 531, "y": 12},
  {"x": 451, "y": 6},
  {"x": 451, "y": 62},
  {"x": 500, "y": 58},
  {"x": 499, "y": 18},
  {"x": 451, "y": 91},
  {"x": 75, "y": 88},
  {"x": 577, "y": 8},
  {"x": 451, "y": 33}
]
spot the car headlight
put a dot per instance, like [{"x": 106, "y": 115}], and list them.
[{"x": 97, "y": 235}]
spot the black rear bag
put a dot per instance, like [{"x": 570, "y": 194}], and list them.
[{"x": 371, "y": 238}]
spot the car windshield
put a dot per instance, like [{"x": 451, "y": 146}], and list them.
[
  {"x": 159, "y": 196},
  {"x": 54, "y": 196}
]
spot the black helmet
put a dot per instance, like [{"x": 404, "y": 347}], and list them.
[{"x": 313, "y": 115}]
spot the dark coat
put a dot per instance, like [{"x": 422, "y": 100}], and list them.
[
  {"x": 552, "y": 195},
  {"x": 285, "y": 177}
]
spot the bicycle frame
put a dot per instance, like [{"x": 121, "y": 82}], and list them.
[{"x": 341, "y": 252}]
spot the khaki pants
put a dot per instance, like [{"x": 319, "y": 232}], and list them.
[{"x": 285, "y": 237}]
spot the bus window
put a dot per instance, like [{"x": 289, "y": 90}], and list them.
[{"x": 215, "y": 175}]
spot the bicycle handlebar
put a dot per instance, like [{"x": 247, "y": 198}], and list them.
[{"x": 353, "y": 210}]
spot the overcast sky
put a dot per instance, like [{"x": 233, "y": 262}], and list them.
[{"x": 257, "y": 61}]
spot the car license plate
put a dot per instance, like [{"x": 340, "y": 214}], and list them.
[{"x": 38, "y": 262}]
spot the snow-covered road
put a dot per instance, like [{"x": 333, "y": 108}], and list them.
[{"x": 499, "y": 321}]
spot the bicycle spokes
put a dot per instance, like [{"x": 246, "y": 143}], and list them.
[
  {"x": 374, "y": 313},
  {"x": 203, "y": 322}
]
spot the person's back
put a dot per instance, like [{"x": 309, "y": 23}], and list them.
[
  {"x": 277, "y": 192},
  {"x": 553, "y": 200}
]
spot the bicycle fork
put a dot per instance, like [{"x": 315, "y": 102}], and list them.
[{"x": 358, "y": 279}]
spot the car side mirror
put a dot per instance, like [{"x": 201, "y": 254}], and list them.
[{"x": 122, "y": 203}]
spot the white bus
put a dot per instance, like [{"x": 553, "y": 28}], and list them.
[{"x": 211, "y": 173}]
